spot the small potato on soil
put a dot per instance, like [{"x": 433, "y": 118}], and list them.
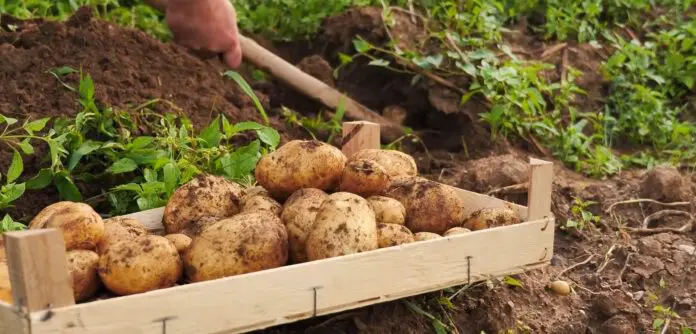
[
  {"x": 83, "y": 268},
  {"x": 180, "y": 241},
  {"x": 345, "y": 224},
  {"x": 263, "y": 203},
  {"x": 430, "y": 206},
  {"x": 396, "y": 164},
  {"x": 387, "y": 210},
  {"x": 247, "y": 242},
  {"x": 560, "y": 287},
  {"x": 299, "y": 213},
  {"x": 146, "y": 263},
  {"x": 364, "y": 177},
  {"x": 422, "y": 236},
  {"x": 491, "y": 217},
  {"x": 393, "y": 235},
  {"x": 117, "y": 229},
  {"x": 82, "y": 227},
  {"x": 300, "y": 164},
  {"x": 205, "y": 195},
  {"x": 456, "y": 230}
]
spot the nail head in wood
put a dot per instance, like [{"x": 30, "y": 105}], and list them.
[
  {"x": 360, "y": 135},
  {"x": 540, "y": 189},
  {"x": 39, "y": 275}
]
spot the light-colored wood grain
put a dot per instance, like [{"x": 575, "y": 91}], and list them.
[
  {"x": 540, "y": 189},
  {"x": 272, "y": 297},
  {"x": 358, "y": 136},
  {"x": 38, "y": 269},
  {"x": 12, "y": 321}
]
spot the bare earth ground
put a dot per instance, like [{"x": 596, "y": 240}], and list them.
[{"x": 619, "y": 269}]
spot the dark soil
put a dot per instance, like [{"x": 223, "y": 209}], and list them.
[{"x": 619, "y": 270}]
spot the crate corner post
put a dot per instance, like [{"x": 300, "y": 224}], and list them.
[
  {"x": 360, "y": 135},
  {"x": 540, "y": 189},
  {"x": 39, "y": 275}
]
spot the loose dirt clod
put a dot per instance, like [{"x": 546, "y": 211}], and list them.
[{"x": 666, "y": 184}]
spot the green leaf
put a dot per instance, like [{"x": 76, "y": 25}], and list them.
[
  {"x": 439, "y": 327},
  {"x": 128, "y": 187},
  {"x": 85, "y": 149},
  {"x": 686, "y": 330},
  {"x": 12, "y": 192},
  {"x": 211, "y": 134},
  {"x": 512, "y": 281},
  {"x": 242, "y": 161},
  {"x": 67, "y": 189},
  {"x": 142, "y": 142},
  {"x": 379, "y": 62},
  {"x": 41, "y": 180},
  {"x": 16, "y": 167},
  {"x": 344, "y": 58},
  {"x": 7, "y": 120},
  {"x": 123, "y": 165},
  {"x": 245, "y": 126},
  {"x": 361, "y": 45},
  {"x": 269, "y": 136},
  {"x": 87, "y": 88},
  {"x": 36, "y": 125},
  {"x": 61, "y": 71},
  {"x": 26, "y": 147},
  {"x": 658, "y": 323},
  {"x": 171, "y": 176},
  {"x": 249, "y": 92}
]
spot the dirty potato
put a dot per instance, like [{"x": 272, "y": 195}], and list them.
[
  {"x": 430, "y": 206},
  {"x": 196, "y": 227},
  {"x": 387, "y": 210},
  {"x": 263, "y": 203},
  {"x": 82, "y": 267},
  {"x": 247, "y": 242},
  {"x": 396, "y": 164},
  {"x": 393, "y": 235},
  {"x": 117, "y": 229},
  {"x": 253, "y": 191},
  {"x": 146, "y": 263},
  {"x": 300, "y": 164},
  {"x": 299, "y": 213},
  {"x": 205, "y": 195},
  {"x": 180, "y": 241},
  {"x": 345, "y": 224},
  {"x": 456, "y": 230},
  {"x": 82, "y": 227},
  {"x": 422, "y": 236},
  {"x": 491, "y": 217},
  {"x": 363, "y": 177}
]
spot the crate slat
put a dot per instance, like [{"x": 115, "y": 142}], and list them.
[
  {"x": 12, "y": 321},
  {"x": 272, "y": 297}
]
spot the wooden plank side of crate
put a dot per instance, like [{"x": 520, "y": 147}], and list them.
[
  {"x": 287, "y": 294},
  {"x": 12, "y": 321}
]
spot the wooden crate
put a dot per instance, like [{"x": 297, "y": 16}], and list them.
[{"x": 43, "y": 302}]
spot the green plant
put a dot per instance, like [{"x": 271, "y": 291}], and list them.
[{"x": 580, "y": 216}]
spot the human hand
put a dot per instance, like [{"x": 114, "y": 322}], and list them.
[{"x": 207, "y": 27}]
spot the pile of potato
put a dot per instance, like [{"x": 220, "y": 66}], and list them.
[{"x": 311, "y": 203}]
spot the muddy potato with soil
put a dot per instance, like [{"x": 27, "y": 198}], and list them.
[
  {"x": 205, "y": 195},
  {"x": 345, "y": 224},
  {"x": 456, "y": 230},
  {"x": 300, "y": 164},
  {"x": 181, "y": 242},
  {"x": 430, "y": 206},
  {"x": 83, "y": 268},
  {"x": 396, "y": 164},
  {"x": 490, "y": 218},
  {"x": 262, "y": 203},
  {"x": 299, "y": 213},
  {"x": 198, "y": 226},
  {"x": 394, "y": 235},
  {"x": 139, "y": 265},
  {"x": 248, "y": 242},
  {"x": 422, "y": 236},
  {"x": 364, "y": 177},
  {"x": 119, "y": 228},
  {"x": 81, "y": 226},
  {"x": 387, "y": 210}
]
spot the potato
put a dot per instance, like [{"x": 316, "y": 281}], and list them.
[
  {"x": 82, "y": 227},
  {"x": 430, "y": 206},
  {"x": 395, "y": 163},
  {"x": 345, "y": 224},
  {"x": 180, "y": 241},
  {"x": 82, "y": 267},
  {"x": 300, "y": 164},
  {"x": 263, "y": 203},
  {"x": 456, "y": 230},
  {"x": 248, "y": 242},
  {"x": 363, "y": 177},
  {"x": 117, "y": 229},
  {"x": 422, "y": 236},
  {"x": 298, "y": 215},
  {"x": 5, "y": 287},
  {"x": 195, "y": 228},
  {"x": 393, "y": 235},
  {"x": 253, "y": 191},
  {"x": 491, "y": 217},
  {"x": 205, "y": 195},
  {"x": 387, "y": 210},
  {"x": 146, "y": 263}
]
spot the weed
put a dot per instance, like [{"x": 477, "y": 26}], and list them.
[{"x": 580, "y": 216}]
